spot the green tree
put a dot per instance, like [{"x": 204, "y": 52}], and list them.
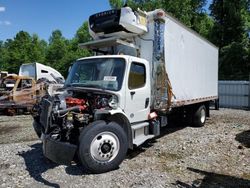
[
  {"x": 231, "y": 17},
  {"x": 231, "y": 34},
  {"x": 61, "y": 53},
  {"x": 82, "y": 34},
  {"x": 74, "y": 51},
  {"x": 18, "y": 51},
  {"x": 203, "y": 25},
  {"x": 116, "y": 3},
  {"x": 57, "y": 50},
  {"x": 22, "y": 49},
  {"x": 2, "y": 56},
  {"x": 38, "y": 49}
]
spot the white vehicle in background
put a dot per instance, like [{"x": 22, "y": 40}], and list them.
[
  {"x": 38, "y": 71},
  {"x": 147, "y": 67}
]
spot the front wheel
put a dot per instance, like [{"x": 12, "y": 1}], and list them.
[{"x": 102, "y": 146}]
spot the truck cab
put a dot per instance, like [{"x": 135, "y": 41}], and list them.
[{"x": 127, "y": 77}]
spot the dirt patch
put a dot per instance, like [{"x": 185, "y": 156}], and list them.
[
  {"x": 14, "y": 129},
  {"x": 4, "y": 166},
  {"x": 8, "y": 130}
]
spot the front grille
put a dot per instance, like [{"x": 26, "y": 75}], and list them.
[{"x": 46, "y": 106}]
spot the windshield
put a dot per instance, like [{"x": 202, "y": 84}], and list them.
[{"x": 102, "y": 73}]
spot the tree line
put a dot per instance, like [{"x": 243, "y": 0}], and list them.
[
  {"x": 226, "y": 24},
  {"x": 58, "y": 52}
]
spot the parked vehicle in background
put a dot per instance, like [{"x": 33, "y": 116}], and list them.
[
  {"x": 148, "y": 66},
  {"x": 19, "y": 93},
  {"x": 39, "y": 71},
  {"x": 3, "y": 74}
]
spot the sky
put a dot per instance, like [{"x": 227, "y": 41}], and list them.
[{"x": 44, "y": 16}]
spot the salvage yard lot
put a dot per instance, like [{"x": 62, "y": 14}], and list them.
[{"x": 217, "y": 155}]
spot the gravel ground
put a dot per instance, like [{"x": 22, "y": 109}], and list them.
[{"x": 216, "y": 155}]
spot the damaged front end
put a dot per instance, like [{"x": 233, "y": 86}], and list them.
[{"x": 59, "y": 120}]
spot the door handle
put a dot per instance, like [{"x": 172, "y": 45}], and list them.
[
  {"x": 132, "y": 93},
  {"x": 146, "y": 102}
]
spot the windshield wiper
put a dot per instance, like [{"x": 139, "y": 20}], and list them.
[
  {"x": 86, "y": 85},
  {"x": 93, "y": 85}
]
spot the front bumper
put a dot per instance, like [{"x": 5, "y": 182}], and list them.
[{"x": 58, "y": 152}]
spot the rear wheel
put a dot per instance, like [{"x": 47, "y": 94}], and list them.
[
  {"x": 102, "y": 146},
  {"x": 199, "y": 117}
]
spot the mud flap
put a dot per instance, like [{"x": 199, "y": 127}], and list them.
[{"x": 58, "y": 152}]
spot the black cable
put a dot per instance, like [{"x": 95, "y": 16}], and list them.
[{"x": 146, "y": 39}]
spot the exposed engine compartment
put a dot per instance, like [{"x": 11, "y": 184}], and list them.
[{"x": 64, "y": 115}]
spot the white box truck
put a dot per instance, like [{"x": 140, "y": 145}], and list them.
[{"x": 148, "y": 66}]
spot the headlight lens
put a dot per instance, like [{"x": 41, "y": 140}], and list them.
[{"x": 113, "y": 102}]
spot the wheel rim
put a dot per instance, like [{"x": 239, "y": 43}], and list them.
[
  {"x": 203, "y": 115},
  {"x": 105, "y": 147}
]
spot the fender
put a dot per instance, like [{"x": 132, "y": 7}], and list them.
[{"x": 118, "y": 116}]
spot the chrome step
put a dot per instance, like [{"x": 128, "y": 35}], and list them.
[{"x": 140, "y": 133}]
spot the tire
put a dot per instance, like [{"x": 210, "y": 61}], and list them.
[
  {"x": 38, "y": 128},
  {"x": 199, "y": 117},
  {"x": 102, "y": 146}
]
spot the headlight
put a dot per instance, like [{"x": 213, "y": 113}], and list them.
[{"x": 113, "y": 102}]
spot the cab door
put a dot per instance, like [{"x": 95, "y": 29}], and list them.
[{"x": 138, "y": 91}]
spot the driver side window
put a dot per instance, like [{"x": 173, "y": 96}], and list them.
[
  {"x": 137, "y": 76},
  {"x": 83, "y": 73}
]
